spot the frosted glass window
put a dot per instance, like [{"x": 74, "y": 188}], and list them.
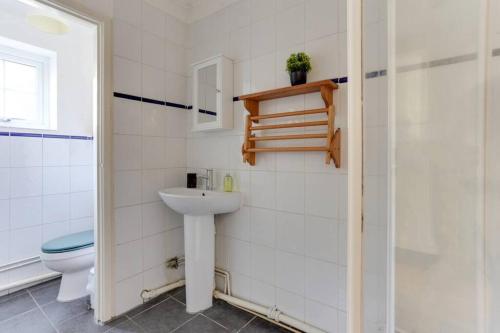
[
  {"x": 27, "y": 92},
  {"x": 21, "y": 77},
  {"x": 21, "y": 92}
]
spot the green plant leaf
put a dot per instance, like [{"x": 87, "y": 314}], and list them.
[{"x": 298, "y": 62}]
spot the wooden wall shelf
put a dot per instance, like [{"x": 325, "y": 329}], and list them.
[{"x": 251, "y": 103}]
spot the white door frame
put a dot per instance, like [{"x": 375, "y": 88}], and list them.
[
  {"x": 355, "y": 166},
  {"x": 391, "y": 166},
  {"x": 103, "y": 208}
]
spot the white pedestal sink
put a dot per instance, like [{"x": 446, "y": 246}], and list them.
[{"x": 199, "y": 208}]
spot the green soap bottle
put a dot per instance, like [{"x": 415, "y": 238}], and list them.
[{"x": 228, "y": 183}]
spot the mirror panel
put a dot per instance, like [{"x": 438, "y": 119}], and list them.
[
  {"x": 213, "y": 94},
  {"x": 207, "y": 94}
]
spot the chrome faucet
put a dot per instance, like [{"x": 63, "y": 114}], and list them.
[{"x": 209, "y": 180}]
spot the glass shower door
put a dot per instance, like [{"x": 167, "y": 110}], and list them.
[
  {"x": 375, "y": 172},
  {"x": 431, "y": 178}
]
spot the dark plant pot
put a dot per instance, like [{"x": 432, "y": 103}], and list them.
[{"x": 298, "y": 78}]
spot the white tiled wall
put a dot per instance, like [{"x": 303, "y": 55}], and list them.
[
  {"x": 46, "y": 191},
  {"x": 283, "y": 229},
  {"x": 149, "y": 147},
  {"x": 286, "y": 245}
]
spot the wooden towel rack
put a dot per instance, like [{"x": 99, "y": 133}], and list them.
[{"x": 251, "y": 103}]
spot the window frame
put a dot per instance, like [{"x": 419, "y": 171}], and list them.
[{"x": 45, "y": 62}]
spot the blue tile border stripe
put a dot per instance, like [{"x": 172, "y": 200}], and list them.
[
  {"x": 176, "y": 105},
  {"x": 30, "y": 135},
  {"x": 152, "y": 101},
  {"x": 56, "y": 136},
  {"x": 47, "y": 136},
  {"x": 340, "y": 80},
  {"x": 189, "y": 107},
  {"x": 127, "y": 96},
  {"x": 77, "y": 137},
  {"x": 211, "y": 113},
  {"x": 149, "y": 100}
]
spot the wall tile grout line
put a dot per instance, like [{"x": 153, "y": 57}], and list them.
[{"x": 43, "y": 209}]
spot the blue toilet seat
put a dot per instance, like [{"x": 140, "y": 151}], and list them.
[{"x": 71, "y": 242}]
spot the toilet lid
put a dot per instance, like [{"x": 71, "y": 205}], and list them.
[{"x": 71, "y": 242}]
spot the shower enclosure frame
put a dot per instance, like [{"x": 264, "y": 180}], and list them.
[
  {"x": 103, "y": 204},
  {"x": 356, "y": 147},
  {"x": 355, "y": 166}
]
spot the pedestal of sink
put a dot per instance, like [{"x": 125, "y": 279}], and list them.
[
  {"x": 199, "y": 256},
  {"x": 199, "y": 207}
]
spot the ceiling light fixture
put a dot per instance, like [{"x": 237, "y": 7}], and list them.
[{"x": 48, "y": 24}]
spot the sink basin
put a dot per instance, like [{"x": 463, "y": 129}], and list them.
[
  {"x": 191, "y": 201},
  {"x": 199, "y": 208}
]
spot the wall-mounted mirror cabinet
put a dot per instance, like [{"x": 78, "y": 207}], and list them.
[{"x": 213, "y": 94}]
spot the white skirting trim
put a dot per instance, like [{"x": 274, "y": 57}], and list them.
[
  {"x": 31, "y": 281},
  {"x": 147, "y": 294}
]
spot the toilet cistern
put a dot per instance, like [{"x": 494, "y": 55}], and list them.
[{"x": 199, "y": 207}]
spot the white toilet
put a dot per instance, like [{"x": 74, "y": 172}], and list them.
[{"x": 73, "y": 256}]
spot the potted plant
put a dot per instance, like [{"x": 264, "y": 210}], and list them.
[{"x": 297, "y": 65}]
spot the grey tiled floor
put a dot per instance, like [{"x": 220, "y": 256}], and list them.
[{"x": 35, "y": 310}]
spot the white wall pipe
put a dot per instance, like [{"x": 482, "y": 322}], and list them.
[
  {"x": 147, "y": 294},
  {"x": 19, "y": 263},
  {"x": 218, "y": 271},
  {"x": 227, "y": 279},
  {"x": 272, "y": 313},
  {"x": 33, "y": 280}
]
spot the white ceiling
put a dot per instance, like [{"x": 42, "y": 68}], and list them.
[
  {"x": 191, "y": 10},
  {"x": 15, "y": 12}
]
